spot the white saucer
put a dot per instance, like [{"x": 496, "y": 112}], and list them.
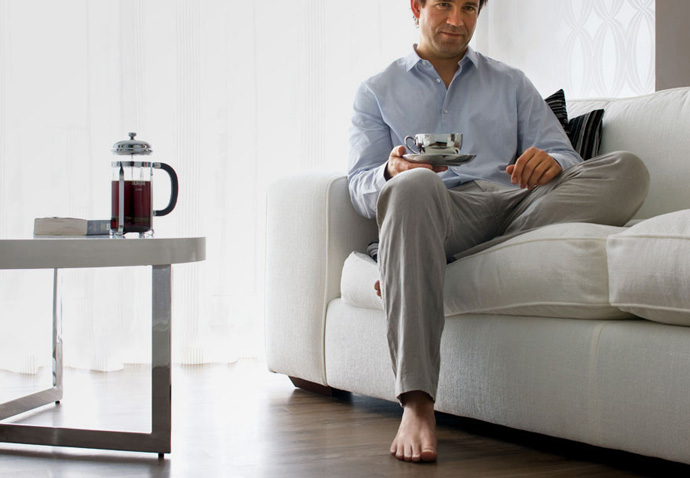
[{"x": 440, "y": 159}]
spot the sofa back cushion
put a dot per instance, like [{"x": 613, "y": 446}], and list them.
[{"x": 656, "y": 127}]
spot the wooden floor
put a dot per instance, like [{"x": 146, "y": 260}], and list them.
[{"x": 241, "y": 421}]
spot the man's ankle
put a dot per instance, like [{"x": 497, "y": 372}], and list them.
[{"x": 416, "y": 399}]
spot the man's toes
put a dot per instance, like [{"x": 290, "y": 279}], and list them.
[
  {"x": 397, "y": 450},
  {"x": 408, "y": 453},
  {"x": 416, "y": 451}
]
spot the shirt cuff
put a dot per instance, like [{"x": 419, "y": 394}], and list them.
[
  {"x": 380, "y": 178},
  {"x": 566, "y": 161}
]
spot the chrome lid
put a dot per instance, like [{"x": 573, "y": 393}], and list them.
[{"x": 131, "y": 146}]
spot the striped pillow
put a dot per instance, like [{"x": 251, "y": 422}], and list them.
[
  {"x": 583, "y": 131},
  {"x": 557, "y": 104}
]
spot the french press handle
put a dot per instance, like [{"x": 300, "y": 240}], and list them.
[{"x": 173, "y": 189}]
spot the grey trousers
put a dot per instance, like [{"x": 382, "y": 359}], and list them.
[{"x": 422, "y": 224}]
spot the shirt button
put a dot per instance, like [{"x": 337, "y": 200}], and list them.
[
  {"x": 438, "y": 80},
  {"x": 445, "y": 112}
]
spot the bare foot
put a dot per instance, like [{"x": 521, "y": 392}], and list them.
[{"x": 416, "y": 438}]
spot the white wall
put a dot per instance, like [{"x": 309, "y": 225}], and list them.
[{"x": 591, "y": 48}]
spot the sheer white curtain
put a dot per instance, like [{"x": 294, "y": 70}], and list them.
[{"x": 233, "y": 94}]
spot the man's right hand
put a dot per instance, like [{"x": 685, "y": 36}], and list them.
[{"x": 397, "y": 164}]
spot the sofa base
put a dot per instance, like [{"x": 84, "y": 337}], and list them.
[
  {"x": 619, "y": 384},
  {"x": 317, "y": 387}
]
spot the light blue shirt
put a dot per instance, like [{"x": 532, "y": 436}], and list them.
[{"x": 496, "y": 108}]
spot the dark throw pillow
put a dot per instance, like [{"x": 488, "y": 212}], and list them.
[
  {"x": 557, "y": 104},
  {"x": 585, "y": 133}
]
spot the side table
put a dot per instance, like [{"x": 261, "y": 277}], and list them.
[{"x": 87, "y": 252}]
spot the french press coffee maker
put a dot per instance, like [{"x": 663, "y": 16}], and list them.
[{"x": 132, "y": 191}]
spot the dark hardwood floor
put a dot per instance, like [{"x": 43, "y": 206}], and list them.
[{"x": 241, "y": 421}]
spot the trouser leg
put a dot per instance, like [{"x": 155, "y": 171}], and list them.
[
  {"x": 607, "y": 190},
  {"x": 420, "y": 222},
  {"x": 412, "y": 217}
]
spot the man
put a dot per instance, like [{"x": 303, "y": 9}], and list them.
[{"x": 525, "y": 175}]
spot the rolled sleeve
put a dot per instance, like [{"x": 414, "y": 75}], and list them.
[{"x": 540, "y": 128}]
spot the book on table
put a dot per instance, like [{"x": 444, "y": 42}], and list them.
[{"x": 70, "y": 226}]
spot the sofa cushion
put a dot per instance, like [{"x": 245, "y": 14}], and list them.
[
  {"x": 555, "y": 271},
  {"x": 649, "y": 269},
  {"x": 360, "y": 272}
]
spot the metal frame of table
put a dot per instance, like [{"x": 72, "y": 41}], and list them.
[{"x": 69, "y": 253}]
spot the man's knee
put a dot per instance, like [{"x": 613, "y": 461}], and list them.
[
  {"x": 624, "y": 186},
  {"x": 634, "y": 171},
  {"x": 418, "y": 180},
  {"x": 632, "y": 177},
  {"x": 414, "y": 187}
]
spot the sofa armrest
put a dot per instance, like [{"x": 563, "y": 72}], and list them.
[{"x": 311, "y": 228}]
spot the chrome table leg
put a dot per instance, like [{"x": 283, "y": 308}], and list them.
[
  {"x": 53, "y": 394},
  {"x": 158, "y": 440}
]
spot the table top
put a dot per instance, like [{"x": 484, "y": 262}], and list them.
[{"x": 66, "y": 252}]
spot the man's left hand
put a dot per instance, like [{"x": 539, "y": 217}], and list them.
[{"x": 534, "y": 168}]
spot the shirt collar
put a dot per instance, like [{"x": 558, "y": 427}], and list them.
[{"x": 413, "y": 58}]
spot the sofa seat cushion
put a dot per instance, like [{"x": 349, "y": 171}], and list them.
[
  {"x": 649, "y": 269},
  {"x": 555, "y": 271}
]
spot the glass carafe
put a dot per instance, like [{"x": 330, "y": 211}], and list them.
[{"x": 132, "y": 190}]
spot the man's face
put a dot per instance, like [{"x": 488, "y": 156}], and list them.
[{"x": 446, "y": 28}]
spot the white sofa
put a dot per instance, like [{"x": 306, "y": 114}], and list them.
[{"x": 578, "y": 331}]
